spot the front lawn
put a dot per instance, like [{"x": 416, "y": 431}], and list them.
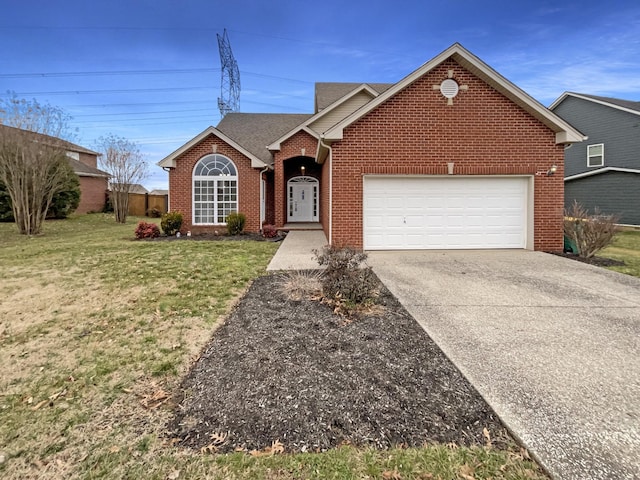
[
  {"x": 625, "y": 247},
  {"x": 97, "y": 332}
]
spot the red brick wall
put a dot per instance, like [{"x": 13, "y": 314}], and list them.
[
  {"x": 88, "y": 159},
  {"x": 415, "y": 132},
  {"x": 93, "y": 192},
  {"x": 290, "y": 148},
  {"x": 269, "y": 211},
  {"x": 181, "y": 183},
  {"x": 325, "y": 185}
]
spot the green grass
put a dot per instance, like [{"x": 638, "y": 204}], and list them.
[
  {"x": 96, "y": 331},
  {"x": 626, "y": 247}
]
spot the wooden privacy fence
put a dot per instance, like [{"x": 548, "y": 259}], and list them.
[{"x": 141, "y": 204}]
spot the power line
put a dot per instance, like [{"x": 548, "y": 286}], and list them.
[
  {"x": 94, "y": 92},
  {"x": 141, "y": 72},
  {"x": 99, "y": 73},
  {"x": 141, "y": 113}
]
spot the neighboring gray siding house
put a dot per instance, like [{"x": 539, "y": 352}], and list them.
[{"x": 604, "y": 170}]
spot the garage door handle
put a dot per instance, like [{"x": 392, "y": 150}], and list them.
[{"x": 404, "y": 219}]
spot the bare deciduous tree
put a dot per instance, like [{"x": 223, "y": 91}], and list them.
[
  {"x": 122, "y": 159},
  {"x": 33, "y": 161},
  {"x": 590, "y": 233}
]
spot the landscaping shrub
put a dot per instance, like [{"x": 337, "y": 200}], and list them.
[
  {"x": 63, "y": 203},
  {"x": 269, "y": 231},
  {"x": 345, "y": 279},
  {"x": 147, "y": 230},
  {"x": 300, "y": 284},
  {"x": 171, "y": 222},
  {"x": 590, "y": 233},
  {"x": 154, "y": 212},
  {"x": 235, "y": 223},
  {"x": 6, "y": 212}
]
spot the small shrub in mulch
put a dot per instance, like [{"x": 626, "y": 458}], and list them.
[
  {"x": 235, "y": 223},
  {"x": 147, "y": 230},
  {"x": 171, "y": 222},
  {"x": 291, "y": 371}
]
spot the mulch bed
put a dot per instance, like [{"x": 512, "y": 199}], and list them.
[
  {"x": 212, "y": 236},
  {"x": 295, "y": 372},
  {"x": 597, "y": 261}
]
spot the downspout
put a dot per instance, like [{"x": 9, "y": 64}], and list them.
[
  {"x": 168, "y": 170},
  {"x": 328, "y": 147}
]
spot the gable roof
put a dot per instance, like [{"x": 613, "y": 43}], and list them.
[
  {"x": 249, "y": 133},
  {"x": 84, "y": 170},
  {"x": 351, "y": 89},
  {"x": 565, "y": 133},
  {"x": 254, "y": 131},
  {"x": 601, "y": 170},
  {"x": 628, "y": 106},
  {"x": 328, "y": 92},
  {"x": 133, "y": 187},
  {"x": 49, "y": 140}
]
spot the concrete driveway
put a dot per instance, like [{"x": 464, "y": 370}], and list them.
[{"x": 552, "y": 344}]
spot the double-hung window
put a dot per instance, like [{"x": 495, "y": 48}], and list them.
[
  {"x": 595, "y": 155},
  {"x": 215, "y": 190}
]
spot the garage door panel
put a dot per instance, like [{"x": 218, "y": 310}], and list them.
[{"x": 437, "y": 212}]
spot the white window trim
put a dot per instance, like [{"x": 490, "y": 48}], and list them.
[
  {"x": 216, "y": 179},
  {"x": 589, "y": 156}
]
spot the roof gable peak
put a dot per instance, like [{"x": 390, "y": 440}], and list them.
[
  {"x": 628, "y": 106},
  {"x": 565, "y": 133}
]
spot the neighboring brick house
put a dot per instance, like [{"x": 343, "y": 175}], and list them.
[
  {"x": 603, "y": 172},
  {"x": 93, "y": 181},
  {"x": 451, "y": 156}
]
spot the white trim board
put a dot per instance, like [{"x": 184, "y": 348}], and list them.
[{"x": 601, "y": 170}]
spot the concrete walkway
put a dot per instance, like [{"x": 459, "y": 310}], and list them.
[
  {"x": 553, "y": 345},
  {"x": 296, "y": 251}
]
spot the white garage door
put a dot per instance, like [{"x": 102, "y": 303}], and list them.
[{"x": 444, "y": 212}]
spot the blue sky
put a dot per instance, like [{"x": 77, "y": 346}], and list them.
[{"x": 150, "y": 70}]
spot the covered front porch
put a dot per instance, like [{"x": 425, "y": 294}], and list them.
[{"x": 300, "y": 194}]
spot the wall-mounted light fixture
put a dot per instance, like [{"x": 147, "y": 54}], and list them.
[
  {"x": 302, "y": 169},
  {"x": 552, "y": 169}
]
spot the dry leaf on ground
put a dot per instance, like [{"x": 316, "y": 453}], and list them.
[
  {"x": 276, "y": 447},
  {"x": 486, "y": 434},
  {"x": 467, "y": 472},
  {"x": 391, "y": 475},
  {"x": 173, "y": 475},
  {"x": 157, "y": 397}
]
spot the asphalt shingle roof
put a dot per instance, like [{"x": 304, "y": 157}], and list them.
[
  {"x": 40, "y": 137},
  {"x": 329, "y": 92},
  {"x": 83, "y": 170},
  {"x": 631, "y": 105},
  {"x": 254, "y": 131}
]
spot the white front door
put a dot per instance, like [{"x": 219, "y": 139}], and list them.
[{"x": 303, "y": 200}]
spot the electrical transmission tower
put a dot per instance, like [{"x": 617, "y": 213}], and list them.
[{"x": 229, "y": 100}]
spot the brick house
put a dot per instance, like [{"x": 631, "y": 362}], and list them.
[
  {"x": 93, "y": 181},
  {"x": 451, "y": 156}
]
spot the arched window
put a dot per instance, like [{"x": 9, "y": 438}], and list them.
[{"x": 215, "y": 190}]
